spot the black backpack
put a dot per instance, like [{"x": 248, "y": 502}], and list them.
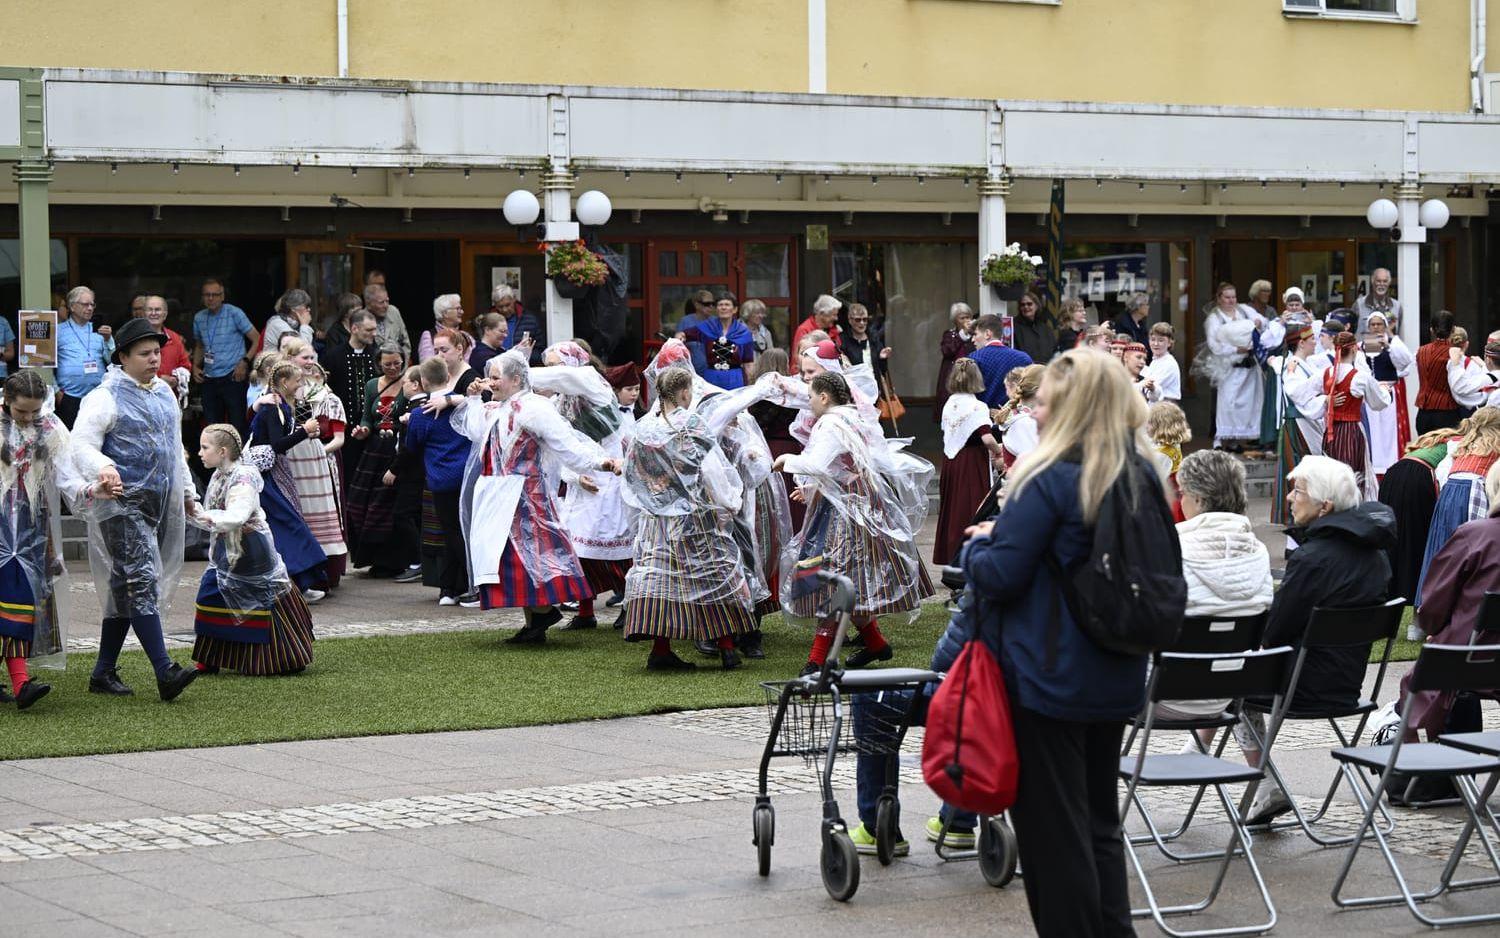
[{"x": 1129, "y": 596}]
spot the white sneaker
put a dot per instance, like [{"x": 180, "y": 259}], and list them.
[
  {"x": 311, "y": 596},
  {"x": 1267, "y": 806},
  {"x": 447, "y": 601}
]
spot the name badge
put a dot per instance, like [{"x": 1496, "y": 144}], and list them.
[
  {"x": 208, "y": 357},
  {"x": 91, "y": 367}
]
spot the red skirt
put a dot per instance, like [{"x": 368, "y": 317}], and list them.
[
  {"x": 517, "y": 589},
  {"x": 964, "y": 483},
  {"x": 604, "y": 576},
  {"x": 1347, "y": 444}
]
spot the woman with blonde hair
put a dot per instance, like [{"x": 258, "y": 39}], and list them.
[
  {"x": 1019, "y": 430},
  {"x": 968, "y": 444},
  {"x": 1463, "y": 497},
  {"x": 1069, "y": 697}
]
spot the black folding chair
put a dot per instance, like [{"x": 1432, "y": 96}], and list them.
[
  {"x": 1196, "y": 677},
  {"x": 1329, "y": 629},
  {"x": 1441, "y": 668},
  {"x": 1206, "y": 636}
]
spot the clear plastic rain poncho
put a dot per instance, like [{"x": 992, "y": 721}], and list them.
[
  {"x": 135, "y": 540},
  {"x": 687, "y": 493},
  {"x": 248, "y": 570},
  {"x": 581, "y": 395},
  {"x": 36, "y": 464},
  {"x": 520, "y": 446},
  {"x": 859, "y": 521}
]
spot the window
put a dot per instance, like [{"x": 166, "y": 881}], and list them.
[{"x": 1402, "y": 10}]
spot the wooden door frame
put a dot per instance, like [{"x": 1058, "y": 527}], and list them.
[
  {"x": 468, "y": 250},
  {"x": 1350, "y": 247},
  {"x": 297, "y": 246}
]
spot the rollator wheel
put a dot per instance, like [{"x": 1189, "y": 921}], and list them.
[
  {"x": 997, "y": 852},
  {"x": 887, "y": 823},
  {"x": 764, "y": 822},
  {"x": 840, "y": 866}
]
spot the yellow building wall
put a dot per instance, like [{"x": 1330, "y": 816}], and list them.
[
  {"x": 262, "y": 37},
  {"x": 1241, "y": 52},
  {"x": 749, "y": 45}
]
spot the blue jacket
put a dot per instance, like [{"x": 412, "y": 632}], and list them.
[
  {"x": 995, "y": 362},
  {"x": 1017, "y": 596},
  {"x": 445, "y": 451}
]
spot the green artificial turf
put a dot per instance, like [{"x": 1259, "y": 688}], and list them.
[
  {"x": 1403, "y": 650},
  {"x": 410, "y": 684}
]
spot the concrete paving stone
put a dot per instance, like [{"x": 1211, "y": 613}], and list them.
[
  {"x": 318, "y": 875},
  {"x": 296, "y": 916},
  {"x": 202, "y": 880},
  {"x": 86, "y": 928},
  {"x": 21, "y": 908},
  {"x": 50, "y": 868}
]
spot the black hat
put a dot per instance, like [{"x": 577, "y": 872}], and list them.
[{"x": 136, "y": 330}]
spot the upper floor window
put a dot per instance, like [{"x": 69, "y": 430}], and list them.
[{"x": 1399, "y": 10}]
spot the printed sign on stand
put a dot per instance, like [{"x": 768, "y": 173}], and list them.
[{"x": 36, "y": 338}]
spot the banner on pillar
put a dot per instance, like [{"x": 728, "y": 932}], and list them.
[
  {"x": 36, "y": 338},
  {"x": 1054, "y": 249}
]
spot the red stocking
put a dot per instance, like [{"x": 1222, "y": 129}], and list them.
[{"x": 17, "y": 669}]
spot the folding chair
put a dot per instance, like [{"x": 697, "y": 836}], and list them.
[
  {"x": 1205, "y": 636},
  {"x": 1327, "y": 629},
  {"x": 1439, "y": 668},
  {"x": 1196, "y": 677}
]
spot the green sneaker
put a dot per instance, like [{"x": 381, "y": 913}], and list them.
[
  {"x": 864, "y": 843},
  {"x": 956, "y": 839}
]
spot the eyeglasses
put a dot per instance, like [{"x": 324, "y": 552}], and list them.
[{"x": 213, "y": 296}]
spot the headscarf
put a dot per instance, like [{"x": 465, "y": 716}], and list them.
[{"x": 571, "y": 353}]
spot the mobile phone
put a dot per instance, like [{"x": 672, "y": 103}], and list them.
[{"x": 525, "y": 337}]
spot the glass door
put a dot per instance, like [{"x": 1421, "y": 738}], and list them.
[
  {"x": 1325, "y": 270},
  {"x": 324, "y": 269},
  {"x": 681, "y": 269}
]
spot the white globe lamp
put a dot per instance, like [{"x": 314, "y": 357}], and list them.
[
  {"x": 521, "y": 208},
  {"x": 1382, "y": 213},
  {"x": 593, "y": 208},
  {"x": 1433, "y": 213}
]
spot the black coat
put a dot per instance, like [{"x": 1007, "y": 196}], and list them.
[
  {"x": 1126, "y": 325},
  {"x": 1035, "y": 337},
  {"x": 1340, "y": 560},
  {"x": 854, "y": 350}
]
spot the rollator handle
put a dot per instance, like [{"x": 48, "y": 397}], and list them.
[
  {"x": 953, "y": 578},
  {"x": 843, "y": 592}
]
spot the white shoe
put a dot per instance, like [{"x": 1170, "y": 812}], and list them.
[
  {"x": 1413, "y": 633},
  {"x": 1267, "y": 806},
  {"x": 311, "y": 596},
  {"x": 447, "y": 601}
]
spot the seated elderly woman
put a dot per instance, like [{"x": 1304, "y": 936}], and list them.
[
  {"x": 1227, "y": 568},
  {"x": 1341, "y": 560}
]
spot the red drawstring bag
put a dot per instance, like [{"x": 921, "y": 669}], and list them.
[{"x": 969, "y": 750}]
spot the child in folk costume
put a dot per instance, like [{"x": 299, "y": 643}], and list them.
[
  {"x": 1017, "y": 423},
  {"x": 36, "y": 464},
  {"x": 600, "y": 525},
  {"x": 1350, "y": 389},
  {"x": 857, "y": 525},
  {"x": 275, "y": 428},
  {"x": 1390, "y": 362},
  {"x": 969, "y": 444},
  {"x": 1463, "y": 496},
  {"x": 437, "y": 450},
  {"x": 688, "y": 577},
  {"x": 1162, "y": 377},
  {"x": 371, "y": 503},
  {"x": 519, "y": 552},
  {"x": 1468, "y": 381},
  {"x": 314, "y": 461},
  {"x": 249, "y": 617}
]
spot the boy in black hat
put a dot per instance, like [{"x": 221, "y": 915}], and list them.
[{"x": 129, "y": 436}]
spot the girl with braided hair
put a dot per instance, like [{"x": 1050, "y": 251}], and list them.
[
  {"x": 36, "y": 463},
  {"x": 249, "y": 617}
]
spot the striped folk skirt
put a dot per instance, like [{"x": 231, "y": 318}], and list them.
[
  {"x": 288, "y": 645},
  {"x": 517, "y": 588},
  {"x": 1461, "y": 500},
  {"x": 1349, "y": 446},
  {"x": 431, "y": 552},
  {"x": 687, "y": 581},
  {"x": 604, "y": 576},
  {"x": 1290, "y": 450},
  {"x": 889, "y": 576}
]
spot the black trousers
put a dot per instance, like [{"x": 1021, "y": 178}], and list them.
[
  {"x": 1067, "y": 824},
  {"x": 1429, "y": 420},
  {"x": 224, "y": 402},
  {"x": 66, "y": 407},
  {"x": 455, "y": 574}
]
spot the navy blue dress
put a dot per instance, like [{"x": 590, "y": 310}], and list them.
[{"x": 299, "y": 550}]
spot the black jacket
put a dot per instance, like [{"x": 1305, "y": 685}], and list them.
[
  {"x": 1035, "y": 337},
  {"x": 1125, "y": 324},
  {"x": 1340, "y": 561},
  {"x": 854, "y": 350}
]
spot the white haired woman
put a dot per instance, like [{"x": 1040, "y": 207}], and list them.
[
  {"x": 447, "y": 313},
  {"x": 957, "y": 343}
]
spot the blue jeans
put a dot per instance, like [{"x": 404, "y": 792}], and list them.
[{"x": 877, "y": 718}]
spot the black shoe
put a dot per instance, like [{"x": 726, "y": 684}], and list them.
[
  {"x": 855, "y": 641},
  {"x": 619, "y": 623},
  {"x": 730, "y": 659},
  {"x": 30, "y": 693},
  {"x": 568, "y": 607},
  {"x": 809, "y": 669},
  {"x": 707, "y": 649},
  {"x": 864, "y": 656},
  {"x": 616, "y": 599},
  {"x": 209, "y": 669},
  {"x": 751, "y": 645},
  {"x": 409, "y": 575},
  {"x": 174, "y": 682},
  {"x": 110, "y": 683},
  {"x": 579, "y": 624},
  {"x": 545, "y": 620},
  {"x": 668, "y": 662},
  {"x": 529, "y": 635},
  {"x": 5, "y": 696}
]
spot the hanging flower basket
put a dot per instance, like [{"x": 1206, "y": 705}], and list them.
[
  {"x": 572, "y": 264},
  {"x": 1010, "y": 272},
  {"x": 569, "y": 290}
]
